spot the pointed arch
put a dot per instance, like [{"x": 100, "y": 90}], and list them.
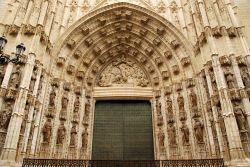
[{"x": 125, "y": 28}]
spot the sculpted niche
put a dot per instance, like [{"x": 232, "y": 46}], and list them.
[{"x": 123, "y": 72}]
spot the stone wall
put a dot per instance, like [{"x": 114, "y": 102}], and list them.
[{"x": 243, "y": 8}]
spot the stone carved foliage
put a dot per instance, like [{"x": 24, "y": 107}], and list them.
[{"x": 123, "y": 71}]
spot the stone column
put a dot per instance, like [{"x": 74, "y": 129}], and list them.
[
  {"x": 245, "y": 99},
  {"x": 34, "y": 106},
  {"x": 11, "y": 142},
  {"x": 38, "y": 120},
  {"x": 215, "y": 112},
  {"x": 233, "y": 135},
  {"x": 204, "y": 106},
  {"x": 43, "y": 13}
]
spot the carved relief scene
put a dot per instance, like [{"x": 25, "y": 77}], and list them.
[{"x": 123, "y": 72}]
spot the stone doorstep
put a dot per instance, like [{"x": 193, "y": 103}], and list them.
[
  {"x": 239, "y": 163},
  {"x": 8, "y": 163}
]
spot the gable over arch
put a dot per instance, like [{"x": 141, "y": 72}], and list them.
[{"x": 123, "y": 29}]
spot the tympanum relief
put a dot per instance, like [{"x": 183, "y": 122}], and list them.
[{"x": 123, "y": 72}]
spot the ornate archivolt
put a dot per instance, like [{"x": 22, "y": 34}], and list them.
[{"x": 118, "y": 28}]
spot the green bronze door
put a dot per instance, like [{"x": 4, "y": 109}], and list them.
[{"x": 123, "y": 131}]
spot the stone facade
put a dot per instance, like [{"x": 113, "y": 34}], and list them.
[{"x": 190, "y": 58}]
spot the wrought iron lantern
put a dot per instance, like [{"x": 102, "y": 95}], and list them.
[{"x": 5, "y": 59}]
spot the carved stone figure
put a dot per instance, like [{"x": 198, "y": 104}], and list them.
[
  {"x": 123, "y": 71},
  {"x": 52, "y": 97},
  {"x": 180, "y": 101},
  {"x": 46, "y": 131},
  {"x": 229, "y": 78},
  {"x": 213, "y": 80},
  {"x": 193, "y": 99},
  {"x": 33, "y": 80},
  {"x": 39, "y": 91},
  {"x": 158, "y": 107},
  {"x": 198, "y": 131},
  {"x": 73, "y": 135},
  {"x": 84, "y": 139},
  {"x": 15, "y": 77},
  {"x": 61, "y": 132},
  {"x": 2, "y": 73},
  {"x": 65, "y": 101},
  {"x": 5, "y": 116},
  {"x": 169, "y": 106},
  {"x": 245, "y": 77},
  {"x": 161, "y": 138},
  {"x": 185, "y": 134},
  {"x": 172, "y": 134},
  {"x": 240, "y": 118},
  {"x": 77, "y": 104}
]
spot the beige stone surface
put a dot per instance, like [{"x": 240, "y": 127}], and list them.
[{"x": 189, "y": 57}]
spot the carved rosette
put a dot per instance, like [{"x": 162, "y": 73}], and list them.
[{"x": 122, "y": 72}]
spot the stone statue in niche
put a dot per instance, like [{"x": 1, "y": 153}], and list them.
[
  {"x": 2, "y": 73},
  {"x": 5, "y": 116},
  {"x": 185, "y": 134},
  {"x": 161, "y": 138},
  {"x": 15, "y": 77},
  {"x": 46, "y": 131},
  {"x": 213, "y": 80},
  {"x": 73, "y": 136},
  {"x": 123, "y": 71},
  {"x": 169, "y": 106},
  {"x": 52, "y": 97},
  {"x": 221, "y": 120},
  {"x": 229, "y": 78},
  {"x": 158, "y": 107},
  {"x": 193, "y": 99},
  {"x": 240, "y": 118},
  {"x": 180, "y": 101},
  {"x": 25, "y": 118},
  {"x": 77, "y": 104},
  {"x": 87, "y": 111},
  {"x": 245, "y": 77},
  {"x": 172, "y": 134},
  {"x": 84, "y": 139},
  {"x": 33, "y": 79},
  {"x": 198, "y": 131},
  {"x": 61, "y": 132},
  {"x": 39, "y": 91},
  {"x": 65, "y": 101}
]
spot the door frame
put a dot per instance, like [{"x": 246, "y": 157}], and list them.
[{"x": 122, "y": 93}]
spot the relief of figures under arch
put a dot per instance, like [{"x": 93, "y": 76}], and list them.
[{"x": 123, "y": 71}]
